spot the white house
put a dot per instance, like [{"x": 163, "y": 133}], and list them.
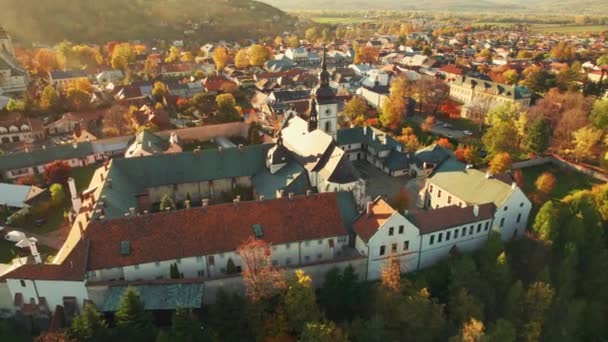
[
  {"x": 421, "y": 239},
  {"x": 452, "y": 183}
]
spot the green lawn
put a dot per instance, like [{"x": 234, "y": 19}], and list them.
[
  {"x": 8, "y": 251},
  {"x": 569, "y": 29},
  {"x": 83, "y": 175},
  {"x": 567, "y": 182},
  {"x": 53, "y": 222}
]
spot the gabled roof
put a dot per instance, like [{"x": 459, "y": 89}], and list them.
[
  {"x": 369, "y": 223},
  {"x": 470, "y": 185},
  {"x": 217, "y": 229},
  {"x": 14, "y": 195},
  {"x": 67, "y": 74},
  {"x": 429, "y": 221}
]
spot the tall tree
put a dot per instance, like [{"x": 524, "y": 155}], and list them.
[
  {"x": 49, "y": 99},
  {"x": 366, "y": 55},
  {"x": 185, "y": 327},
  {"x": 300, "y": 302},
  {"x": 356, "y": 107},
  {"x": 57, "y": 172},
  {"x": 323, "y": 332},
  {"x": 584, "y": 142},
  {"x": 261, "y": 279},
  {"x": 131, "y": 318},
  {"x": 395, "y": 105},
  {"x": 258, "y": 55},
  {"x": 89, "y": 326},
  {"x": 538, "y": 136},
  {"x": 241, "y": 59}
]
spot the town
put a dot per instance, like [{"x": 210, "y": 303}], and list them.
[{"x": 358, "y": 181}]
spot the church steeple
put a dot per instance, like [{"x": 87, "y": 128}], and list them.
[
  {"x": 324, "y": 75},
  {"x": 313, "y": 122}
]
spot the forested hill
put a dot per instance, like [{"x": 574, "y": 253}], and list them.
[
  {"x": 101, "y": 21},
  {"x": 536, "y": 6}
]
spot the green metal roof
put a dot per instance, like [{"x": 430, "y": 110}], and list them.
[
  {"x": 291, "y": 178},
  {"x": 371, "y": 136},
  {"x": 470, "y": 185},
  {"x": 44, "y": 156},
  {"x": 348, "y": 208},
  {"x": 131, "y": 176},
  {"x": 151, "y": 142},
  {"x": 158, "y": 297}
]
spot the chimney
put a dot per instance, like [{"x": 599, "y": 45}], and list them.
[
  {"x": 291, "y": 196},
  {"x": 476, "y": 210},
  {"x": 220, "y": 149},
  {"x": 236, "y": 201},
  {"x": 187, "y": 204},
  {"x": 261, "y": 198},
  {"x": 368, "y": 209},
  {"x": 145, "y": 212},
  {"x": 488, "y": 175},
  {"x": 513, "y": 185},
  {"x": 105, "y": 166},
  {"x": 101, "y": 176},
  {"x": 205, "y": 203},
  {"x": 308, "y": 193},
  {"x": 168, "y": 209},
  {"x": 240, "y": 147},
  {"x": 132, "y": 211},
  {"x": 281, "y": 193},
  {"x": 469, "y": 166},
  {"x": 44, "y": 147}
]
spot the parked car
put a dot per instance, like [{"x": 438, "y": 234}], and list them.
[
  {"x": 449, "y": 136},
  {"x": 40, "y": 222},
  {"x": 438, "y": 122},
  {"x": 467, "y": 132},
  {"x": 14, "y": 236},
  {"x": 447, "y": 125}
]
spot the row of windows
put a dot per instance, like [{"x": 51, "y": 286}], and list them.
[
  {"x": 394, "y": 246},
  {"x": 391, "y": 230},
  {"x": 462, "y": 232}
]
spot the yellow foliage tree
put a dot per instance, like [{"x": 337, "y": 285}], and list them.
[{"x": 220, "y": 57}]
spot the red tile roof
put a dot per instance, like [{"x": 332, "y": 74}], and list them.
[
  {"x": 451, "y": 69},
  {"x": 367, "y": 224},
  {"x": 217, "y": 83},
  {"x": 72, "y": 269},
  {"x": 429, "y": 221},
  {"x": 219, "y": 228}
]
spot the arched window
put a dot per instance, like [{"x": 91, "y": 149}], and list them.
[
  {"x": 327, "y": 127},
  {"x": 3, "y": 130},
  {"x": 13, "y": 129},
  {"x": 25, "y": 128}
]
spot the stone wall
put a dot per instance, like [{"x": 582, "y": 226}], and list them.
[{"x": 589, "y": 170}]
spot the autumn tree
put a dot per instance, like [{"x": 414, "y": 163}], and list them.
[
  {"x": 401, "y": 201},
  {"x": 258, "y": 55},
  {"x": 300, "y": 302},
  {"x": 46, "y": 60},
  {"x": 322, "y": 332},
  {"x": 122, "y": 55},
  {"x": 220, "y": 57},
  {"x": 545, "y": 183},
  {"x": 261, "y": 279},
  {"x": 151, "y": 66},
  {"x": 409, "y": 138},
  {"x": 537, "y": 301},
  {"x": 355, "y": 107},
  {"x": 395, "y": 105},
  {"x": 390, "y": 275},
  {"x": 445, "y": 143},
  {"x": 599, "y": 113},
  {"x": 227, "y": 110},
  {"x": 292, "y": 41},
  {"x": 584, "y": 142},
  {"x": 57, "y": 172},
  {"x": 159, "y": 91},
  {"x": 503, "y": 135},
  {"x": 366, "y": 55},
  {"x": 471, "y": 331},
  {"x": 116, "y": 122},
  {"x": 241, "y": 60},
  {"x": 49, "y": 99},
  {"x": 428, "y": 123},
  {"x": 500, "y": 163},
  {"x": 174, "y": 54},
  {"x": 57, "y": 194},
  {"x": 311, "y": 34}
]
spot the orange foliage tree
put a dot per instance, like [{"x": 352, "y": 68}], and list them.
[
  {"x": 445, "y": 143},
  {"x": 261, "y": 279}
]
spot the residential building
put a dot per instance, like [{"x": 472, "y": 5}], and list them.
[
  {"x": 62, "y": 78},
  {"x": 20, "y": 196},
  {"x": 453, "y": 183},
  {"x": 147, "y": 143},
  {"x": 16, "y": 127}
]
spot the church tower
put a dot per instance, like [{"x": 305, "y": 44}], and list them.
[{"x": 325, "y": 102}]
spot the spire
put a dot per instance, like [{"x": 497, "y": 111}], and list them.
[
  {"x": 324, "y": 75},
  {"x": 312, "y": 119}
]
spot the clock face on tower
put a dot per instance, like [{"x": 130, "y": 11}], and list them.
[{"x": 327, "y": 111}]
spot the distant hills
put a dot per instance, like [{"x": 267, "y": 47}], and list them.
[
  {"x": 50, "y": 21},
  {"x": 556, "y": 6}
]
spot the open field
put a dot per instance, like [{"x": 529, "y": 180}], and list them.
[
  {"x": 340, "y": 20},
  {"x": 567, "y": 182},
  {"x": 569, "y": 29}
]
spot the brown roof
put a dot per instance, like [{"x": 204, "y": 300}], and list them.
[
  {"x": 19, "y": 119},
  {"x": 72, "y": 269},
  {"x": 219, "y": 228},
  {"x": 429, "y": 221},
  {"x": 452, "y": 69},
  {"x": 367, "y": 224}
]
